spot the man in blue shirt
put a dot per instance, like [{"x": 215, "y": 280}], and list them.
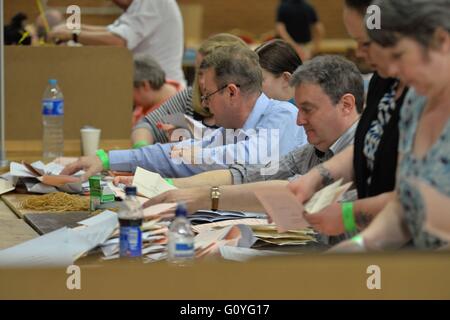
[{"x": 262, "y": 129}]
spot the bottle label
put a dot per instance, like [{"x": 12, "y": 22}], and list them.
[
  {"x": 53, "y": 107},
  {"x": 183, "y": 250},
  {"x": 130, "y": 241}
]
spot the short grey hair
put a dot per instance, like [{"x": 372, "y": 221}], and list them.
[
  {"x": 147, "y": 69},
  {"x": 235, "y": 64},
  {"x": 336, "y": 76},
  {"x": 415, "y": 19}
]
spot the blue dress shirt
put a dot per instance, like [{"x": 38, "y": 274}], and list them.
[{"x": 269, "y": 133}]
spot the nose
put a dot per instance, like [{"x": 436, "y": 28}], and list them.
[
  {"x": 301, "y": 119},
  {"x": 361, "y": 52},
  {"x": 204, "y": 103},
  {"x": 393, "y": 70}
]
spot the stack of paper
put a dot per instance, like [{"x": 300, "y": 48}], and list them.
[
  {"x": 217, "y": 225},
  {"x": 43, "y": 178},
  {"x": 207, "y": 216},
  {"x": 246, "y": 254},
  {"x": 209, "y": 242},
  {"x": 269, "y": 234},
  {"x": 63, "y": 246},
  {"x": 154, "y": 238}
]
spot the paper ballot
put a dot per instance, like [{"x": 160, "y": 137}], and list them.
[
  {"x": 283, "y": 207},
  {"x": 5, "y": 186},
  {"x": 245, "y": 254},
  {"x": 183, "y": 121},
  {"x": 63, "y": 246},
  {"x": 326, "y": 196},
  {"x": 150, "y": 184}
]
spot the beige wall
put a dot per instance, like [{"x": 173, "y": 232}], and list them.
[
  {"x": 96, "y": 83},
  {"x": 254, "y": 16}
]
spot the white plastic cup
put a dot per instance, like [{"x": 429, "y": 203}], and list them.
[{"x": 90, "y": 140}]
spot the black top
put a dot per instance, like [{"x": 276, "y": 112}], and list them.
[
  {"x": 297, "y": 16},
  {"x": 385, "y": 164}
]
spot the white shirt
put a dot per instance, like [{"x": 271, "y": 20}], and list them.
[{"x": 154, "y": 27}]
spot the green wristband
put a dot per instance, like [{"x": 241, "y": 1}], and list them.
[
  {"x": 140, "y": 144},
  {"x": 169, "y": 181},
  {"x": 104, "y": 158},
  {"x": 348, "y": 217}
]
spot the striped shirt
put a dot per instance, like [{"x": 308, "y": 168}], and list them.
[
  {"x": 179, "y": 103},
  {"x": 295, "y": 163}
]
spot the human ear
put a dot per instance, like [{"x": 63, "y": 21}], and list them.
[{"x": 348, "y": 103}]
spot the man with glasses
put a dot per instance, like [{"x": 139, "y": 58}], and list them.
[{"x": 255, "y": 129}]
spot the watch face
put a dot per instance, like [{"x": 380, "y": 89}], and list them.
[{"x": 215, "y": 194}]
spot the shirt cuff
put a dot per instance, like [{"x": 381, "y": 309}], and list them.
[
  {"x": 121, "y": 160},
  {"x": 237, "y": 175}
]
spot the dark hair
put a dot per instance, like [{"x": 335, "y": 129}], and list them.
[
  {"x": 278, "y": 56},
  {"x": 336, "y": 76},
  {"x": 236, "y": 64},
  {"x": 147, "y": 69},
  {"x": 14, "y": 32},
  {"x": 359, "y": 5},
  {"x": 416, "y": 19}
]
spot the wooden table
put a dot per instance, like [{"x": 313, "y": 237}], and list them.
[
  {"x": 31, "y": 150},
  {"x": 13, "y": 230}
]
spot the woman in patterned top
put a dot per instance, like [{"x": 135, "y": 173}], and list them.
[
  {"x": 149, "y": 130},
  {"x": 416, "y": 34},
  {"x": 371, "y": 163}
]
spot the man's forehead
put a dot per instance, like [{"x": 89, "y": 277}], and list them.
[{"x": 308, "y": 91}]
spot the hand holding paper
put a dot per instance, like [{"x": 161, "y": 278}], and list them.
[
  {"x": 326, "y": 196},
  {"x": 150, "y": 184},
  {"x": 283, "y": 207}
]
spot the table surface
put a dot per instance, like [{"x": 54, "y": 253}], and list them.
[
  {"x": 404, "y": 275},
  {"x": 31, "y": 150}
]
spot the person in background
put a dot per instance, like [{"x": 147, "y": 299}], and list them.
[
  {"x": 150, "y": 27},
  {"x": 278, "y": 61},
  {"x": 150, "y": 130},
  {"x": 15, "y": 32},
  {"x": 298, "y": 24},
  {"x": 151, "y": 89},
  {"x": 259, "y": 129},
  {"x": 53, "y": 18}
]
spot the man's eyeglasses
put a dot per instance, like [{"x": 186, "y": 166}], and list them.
[{"x": 206, "y": 97}]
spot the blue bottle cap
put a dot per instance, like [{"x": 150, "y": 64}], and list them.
[
  {"x": 181, "y": 210},
  {"x": 130, "y": 190},
  {"x": 52, "y": 82}
]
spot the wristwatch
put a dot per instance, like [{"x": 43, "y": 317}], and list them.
[{"x": 215, "y": 195}]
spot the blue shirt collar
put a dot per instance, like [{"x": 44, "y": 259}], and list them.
[{"x": 258, "y": 110}]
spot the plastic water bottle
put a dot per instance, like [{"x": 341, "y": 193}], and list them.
[
  {"x": 130, "y": 221},
  {"x": 181, "y": 239},
  {"x": 53, "y": 121}
]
